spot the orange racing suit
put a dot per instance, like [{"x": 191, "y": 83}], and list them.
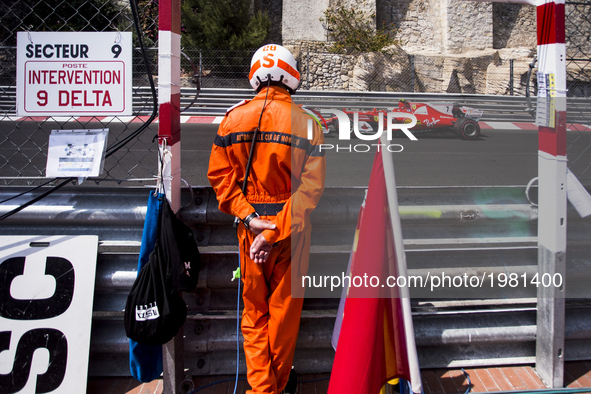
[{"x": 285, "y": 184}]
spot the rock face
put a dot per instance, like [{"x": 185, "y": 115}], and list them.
[
  {"x": 382, "y": 72},
  {"x": 449, "y": 46},
  {"x": 396, "y": 70}
]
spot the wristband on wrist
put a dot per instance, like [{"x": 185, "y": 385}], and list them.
[{"x": 247, "y": 219}]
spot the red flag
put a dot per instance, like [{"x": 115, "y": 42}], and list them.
[{"x": 372, "y": 345}]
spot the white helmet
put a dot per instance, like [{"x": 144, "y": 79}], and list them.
[{"x": 276, "y": 61}]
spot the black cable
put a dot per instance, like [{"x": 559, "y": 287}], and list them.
[
  {"x": 115, "y": 147},
  {"x": 196, "y": 80},
  {"x": 237, "y": 220},
  {"x": 469, "y": 381},
  {"x": 254, "y": 138}
]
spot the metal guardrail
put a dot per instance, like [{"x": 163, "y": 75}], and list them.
[
  {"x": 453, "y": 230},
  {"x": 509, "y": 108},
  {"x": 215, "y": 102}
]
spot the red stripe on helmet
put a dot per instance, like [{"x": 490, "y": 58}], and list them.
[
  {"x": 290, "y": 70},
  {"x": 254, "y": 69}
]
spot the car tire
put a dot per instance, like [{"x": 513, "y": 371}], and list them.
[{"x": 467, "y": 129}]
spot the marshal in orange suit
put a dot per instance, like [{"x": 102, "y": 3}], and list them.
[{"x": 285, "y": 183}]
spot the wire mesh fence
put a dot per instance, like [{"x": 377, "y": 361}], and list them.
[
  {"x": 217, "y": 68},
  {"x": 578, "y": 63},
  {"x": 377, "y": 71},
  {"x": 398, "y": 71},
  {"x": 24, "y": 140}
]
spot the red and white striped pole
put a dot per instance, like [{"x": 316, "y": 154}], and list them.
[
  {"x": 552, "y": 171},
  {"x": 169, "y": 97},
  {"x": 169, "y": 138}
]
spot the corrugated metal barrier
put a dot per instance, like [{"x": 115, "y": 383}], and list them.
[{"x": 454, "y": 230}]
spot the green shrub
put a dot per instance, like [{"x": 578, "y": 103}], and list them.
[{"x": 352, "y": 29}]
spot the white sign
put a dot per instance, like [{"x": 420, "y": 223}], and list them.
[
  {"x": 74, "y": 74},
  {"x": 546, "y": 104},
  {"x": 46, "y": 288},
  {"x": 76, "y": 153}
]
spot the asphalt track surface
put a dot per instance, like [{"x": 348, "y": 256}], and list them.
[{"x": 498, "y": 157}]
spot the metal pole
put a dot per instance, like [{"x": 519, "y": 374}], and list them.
[
  {"x": 308, "y": 69},
  {"x": 552, "y": 171},
  {"x": 511, "y": 83},
  {"x": 408, "y": 327},
  {"x": 169, "y": 137},
  {"x": 412, "y": 72},
  {"x": 169, "y": 97}
]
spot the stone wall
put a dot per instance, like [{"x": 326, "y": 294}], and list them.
[
  {"x": 418, "y": 22},
  {"x": 326, "y": 71},
  {"x": 455, "y": 26},
  {"x": 456, "y": 47},
  {"x": 483, "y": 72},
  {"x": 468, "y": 26},
  {"x": 300, "y": 20},
  {"x": 514, "y": 25}
]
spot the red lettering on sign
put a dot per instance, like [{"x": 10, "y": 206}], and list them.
[
  {"x": 107, "y": 99},
  {"x": 75, "y": 98},
  {"x": 86, "y": 103},
  {"x": 64, "y": 98},
  {"x": 87, "y": 98},
  {"x": 82, "y": 77}
]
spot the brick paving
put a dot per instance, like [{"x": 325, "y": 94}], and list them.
[{"x": 435, "y": 381}]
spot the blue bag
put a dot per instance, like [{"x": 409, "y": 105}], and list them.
[{"x": 145, "y": 361}]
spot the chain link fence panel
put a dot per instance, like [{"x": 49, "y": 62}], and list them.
[
  {"x": 217, "y": 69},
  {"x": 578, "y": 65},
  {"x": 377, "y": 71},
  {"x": 24, "y": 141},
  {"x": 398, "y": 71}
]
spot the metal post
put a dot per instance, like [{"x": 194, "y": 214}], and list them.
[
  {"x": 412, "y": 72},
  {"x": 511, "y": 83},
  {"x": 173, "y": 364},
  {"x": 169, "y": 137},
  {"x": 552, "y": 171},
  {"x": 200, "y": 64},
  {"x": 308, "y": 69},
  {"x": 169, "y": 96}
]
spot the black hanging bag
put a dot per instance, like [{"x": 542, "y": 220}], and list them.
[
  {"x": 155, "y": 310},
  {"x": 153, "y": 314},
  {"x": 179, "y": 245}
]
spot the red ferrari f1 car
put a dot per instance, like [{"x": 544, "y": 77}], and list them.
[{"x": 461, "y": 119}]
